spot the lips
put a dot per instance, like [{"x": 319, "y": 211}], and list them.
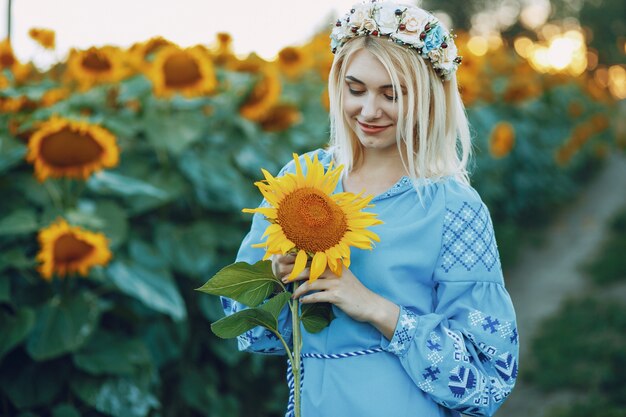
[{"x": 367, "y": 128}]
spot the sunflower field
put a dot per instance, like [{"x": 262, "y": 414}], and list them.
[{"x": 123, "y": 174}]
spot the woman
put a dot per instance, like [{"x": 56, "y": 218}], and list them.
[{"x": 424, "y": 321}]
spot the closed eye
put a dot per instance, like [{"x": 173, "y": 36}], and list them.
[{"x": 356, "y": 92}]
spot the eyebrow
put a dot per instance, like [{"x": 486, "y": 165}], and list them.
[{"x": 382, "y": 87}]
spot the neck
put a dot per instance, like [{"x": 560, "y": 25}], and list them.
[{"x": 377, "y": 163}]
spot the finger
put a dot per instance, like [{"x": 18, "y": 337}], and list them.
[
  {"x": 288, "y": 259},
  {"x": 316, "y": 297},
  {"x": 303, "y": 276},
  {"x": 318, "y": 285}
]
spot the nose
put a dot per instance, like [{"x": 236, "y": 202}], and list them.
[{"x": 370, "y": 109}]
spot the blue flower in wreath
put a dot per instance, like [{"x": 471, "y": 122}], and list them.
[{"x": 433, "y": 39}]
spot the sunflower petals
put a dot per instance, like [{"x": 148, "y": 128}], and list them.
[{"x": 318, "y": 266}]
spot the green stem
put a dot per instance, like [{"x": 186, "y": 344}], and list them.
[
  {"x": 54, "y": 194},
  {"x": 297, "y": 347}
]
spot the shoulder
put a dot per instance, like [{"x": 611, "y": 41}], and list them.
[
  {"x": 458, "y": 192},
  {"x": 323, "y": 155},
  {"x": 468, "y": 239}
]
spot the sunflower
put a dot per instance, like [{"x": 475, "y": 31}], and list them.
[
  {"x": 66, "y": 249},
  {"x": 223, "y": 49},
  {"x": 187, "y": 71},
  {"x": 44, "y": 37},
  {"x": 141, "y": 54},
  {"x": 501, "y": 140},
  {"x": 75, "y": 149},
  {"x": 7, "y": 57},
  {"x": 97, "y": 65},
  {"x": 308, "y": 220},
  {"x": 263, "y": 96},
  {"x": 280, "y": 117},
  {"x": 54, "y": 95},
  {"x": 293, "y": 61}
]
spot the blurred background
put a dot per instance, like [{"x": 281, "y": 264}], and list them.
[{"x": 130, "y": 137}]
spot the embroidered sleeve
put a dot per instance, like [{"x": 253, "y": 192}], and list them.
[{"x": 464, "y": 353}]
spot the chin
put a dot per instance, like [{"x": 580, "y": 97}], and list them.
[{"x": 374, "y": 142}]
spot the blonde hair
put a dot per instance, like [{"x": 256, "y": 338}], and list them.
[{"x": 433, "y": 128}]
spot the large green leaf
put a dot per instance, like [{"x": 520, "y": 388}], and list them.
[
  {"x": 112, "y": 354},
  {"x": 165, "y": 342},
  {"x": 106, "y": 183},
  {"x": 315, "y": 317},
  {"x": 63, "y": 325},
  {"x": 154, "y": 288},
  {"x": 248, "y": 284},
  {"x": 65, "y": 410},
  {"x": 134, "y": 87},
  {"x": 12, "y": 152},
  {"x": 19, "y": 222},
  {"x": 146, "y": 254},
  {"x": 15, "y": 328},
  {"x": 118, "y": 397},
  {"x": 5, "y": 286},
  {"x": 265, "y": 315},
  {"x": 189, "y": 250},
  {"x": 29, "y": 384},
  {"x": 174, "y": 131}
]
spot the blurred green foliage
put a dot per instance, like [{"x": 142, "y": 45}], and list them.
[
  {"x": 581, "y": 347},
  {"x": 610, "y": 264}
]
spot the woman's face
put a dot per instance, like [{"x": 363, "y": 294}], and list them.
[{"x": 369, "y": 104}]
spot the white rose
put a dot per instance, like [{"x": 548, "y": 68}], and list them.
[
  {"x": 434, "y": 55},
  {"x": 361, "y": 12},
  {"x": 412, "y": 24},
  {"x": 338, "y": 33},
  {"x": 369, "y": 24},
  {"x": 387, "y": 21},
  {"x": 449, "y": 53},
  {"x": 407, "y": 38}
]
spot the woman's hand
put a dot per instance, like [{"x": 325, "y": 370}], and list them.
[
  {"x": 282, "y": 265},
  {"x": 351, "y": 296}
]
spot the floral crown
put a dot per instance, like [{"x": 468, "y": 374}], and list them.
[{"x": 405, "y": 25}]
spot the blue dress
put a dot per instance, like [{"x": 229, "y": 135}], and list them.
[{"x": 455, "y": 346}]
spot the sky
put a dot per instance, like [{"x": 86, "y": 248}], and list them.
[{"x": 262, "y": 26}]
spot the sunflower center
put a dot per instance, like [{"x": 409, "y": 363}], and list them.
[
  {"x": 181, "y": 70},
  {"x": 312, "y": 220},
  {"x": 6, "y": 60},
  {"x": 68, "y": 148},
  {"x": 289, "y": 55},
  {"x": 96, "y": 62},
  {"x": 69, "y": 249}
]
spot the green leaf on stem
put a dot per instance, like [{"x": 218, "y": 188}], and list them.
[
  {"x": 265, "y": 315},
  {"x": 317, "y": 316},
  {"x": 248, "y": 284},
  {"x": 63, "y": 325},
  {"x": 19, "y": 222},
  {"x": 15, "y": 328}
]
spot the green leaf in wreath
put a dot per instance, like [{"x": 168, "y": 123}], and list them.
[
  {"x": 317, "y": 316},
  {"x": 63, "y": 325},
  {"x": 265, "y": 315},
  {"x": 15, "y": 328},
  {"x": 248, "y": 284}
]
